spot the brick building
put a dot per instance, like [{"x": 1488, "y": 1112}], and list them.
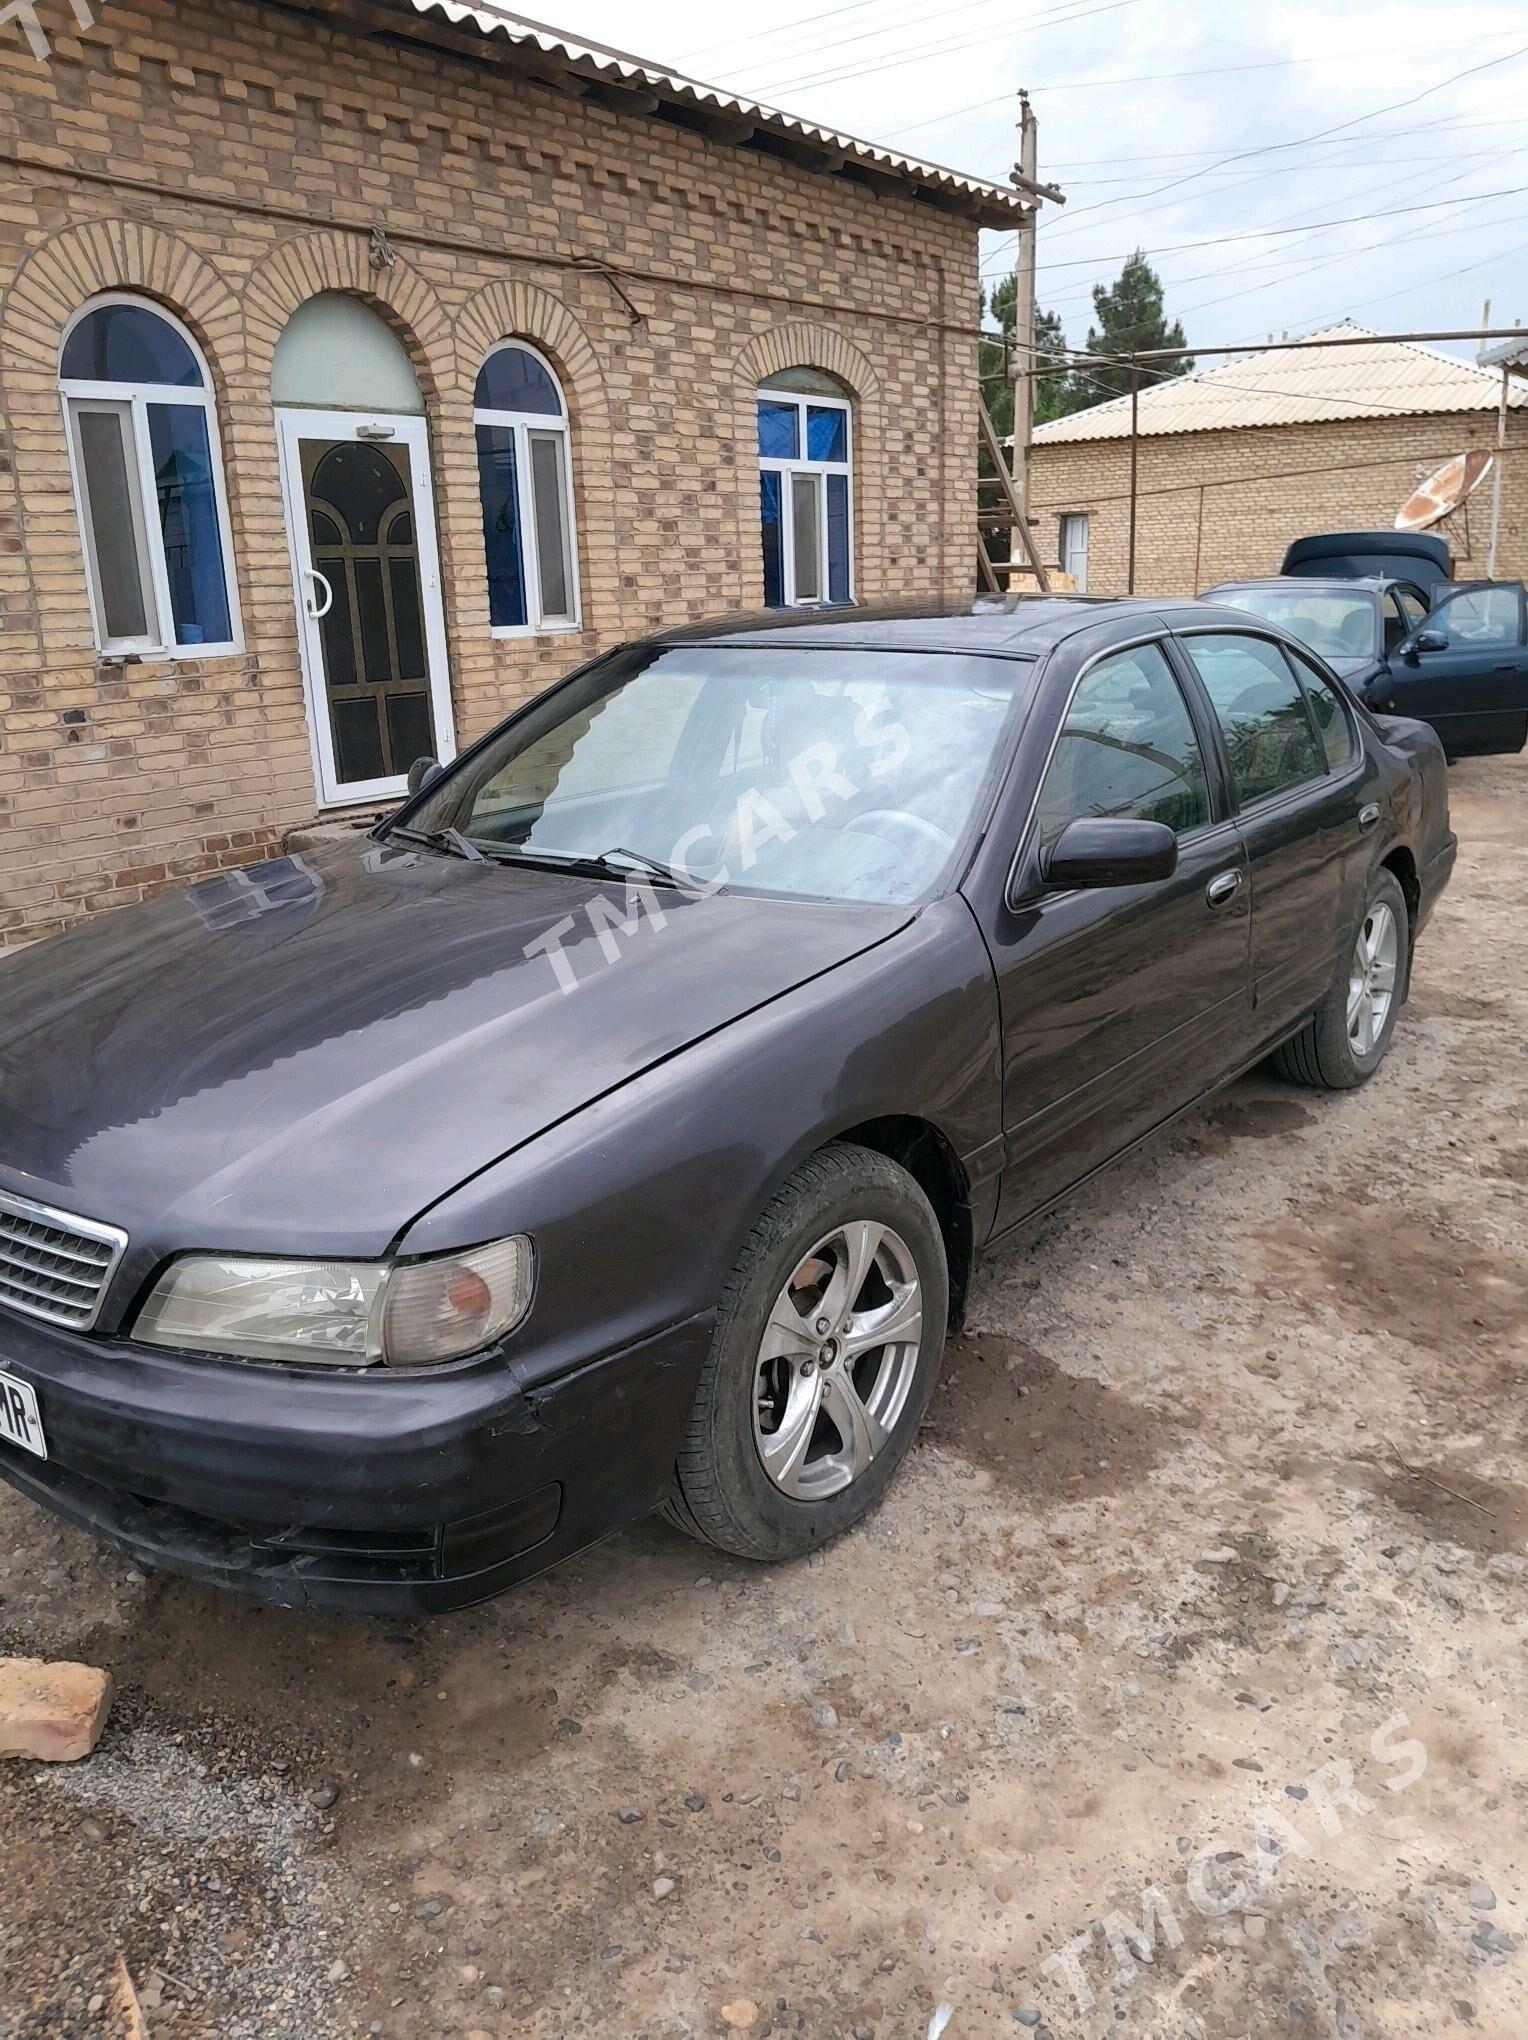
[
  {"x": 366, "y": 365},
  {"x": 1236, "y": 460}
]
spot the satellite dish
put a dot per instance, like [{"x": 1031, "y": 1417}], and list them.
[{"x": 1444, "y": 490}]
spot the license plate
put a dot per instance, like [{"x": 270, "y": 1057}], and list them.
[{"x": 19, "y": 1421}]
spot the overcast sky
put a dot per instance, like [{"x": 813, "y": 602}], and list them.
[{"x": 1134, "y": 95}]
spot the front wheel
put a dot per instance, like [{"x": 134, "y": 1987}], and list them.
[
  {"x": 1344, "y": 1042},
  {"x": 826, "y": 1349}
]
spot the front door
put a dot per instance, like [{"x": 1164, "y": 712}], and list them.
[
  {"x": 361, "y": 526},
  {"x": 1122, "y": 1004},
  {"x": 1473, "y": 687}
]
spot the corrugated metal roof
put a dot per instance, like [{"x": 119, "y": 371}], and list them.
[
  {"x": 989, "y": 204},
  {"x": 1295, "y": 385}
]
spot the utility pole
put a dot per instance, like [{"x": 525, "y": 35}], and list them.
[{"x": 1024, "y": 310}]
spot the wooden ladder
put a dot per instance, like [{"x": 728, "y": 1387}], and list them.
[{"x": 1006, "y": 515}]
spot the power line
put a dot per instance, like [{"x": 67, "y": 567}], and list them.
[
  {"x": 814, "y": 80},
  {"x": 919, "y": 17},
  {"x": 1242, "y": 155},
  {"x": 1309, "y": 231},
  {"x": 1264, "y": 233}
]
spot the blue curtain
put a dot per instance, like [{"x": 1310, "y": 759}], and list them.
[
  {"x": 826, "y": 434},
  {"x": 774, "y": 570},
  {"x": 188, "y": 518},
  {"x": 779, "y": 431},
  {"x": 838, "y": 538},
  {"x": 499, "y": 489}
]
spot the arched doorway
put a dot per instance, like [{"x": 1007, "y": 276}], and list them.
[{"x": 355, "y": 469}]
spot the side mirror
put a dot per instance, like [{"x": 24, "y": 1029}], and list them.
[
  {"x": 423, "y": 772},
  {"x": 1109, "y": 850},
  {"x": 1426, "y": 641}
]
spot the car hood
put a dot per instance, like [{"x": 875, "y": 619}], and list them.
[{"x": 302, "y": 1055}]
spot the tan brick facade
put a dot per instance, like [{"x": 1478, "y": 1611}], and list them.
[
  {"x": 1218, "y": 506},
  {"x": 230, "y": 161}
]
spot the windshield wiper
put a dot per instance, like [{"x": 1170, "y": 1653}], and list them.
[
  {"x": 450, "y": 840},
  {"x": 656, "y": 866},
  {"x": 602, "y": 863}
]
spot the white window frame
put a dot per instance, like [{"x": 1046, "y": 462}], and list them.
[
  {"x": 1074, "y": 521},
  {"x": 131, "y": 402},
  {"x": 524, "y": 424},
  {"x": 820, "y": 469}
]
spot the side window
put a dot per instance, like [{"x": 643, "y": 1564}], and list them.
[
  {"x": 525, "y": 482},
  {"x": 1261, "y": 711},
  {"x": 1127, "y": 747},
  {"x": 1397, "y": 624},
  {"x": 1478, "y": 616},
  {"x": 805, "y": 433},
  {"x": 1412, "y": 606},
  {"x": 148, "y": 480},
  {"x": 1333, "y": 723}
]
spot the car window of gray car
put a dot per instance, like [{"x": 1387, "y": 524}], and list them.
[
  {"x": 1412, "y": 605},
  {"x": 1334, "y": 726},
  {"x": 1334, "y": 624},
  {"x": 1126, "y": 746},
  {"x": 1396, "y": 624},
  {"x": 1478, "y": 616},
  {"x": 824, "y": 774},
  {"x": 1261, "y": 711}
]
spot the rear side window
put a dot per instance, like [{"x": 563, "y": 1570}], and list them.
[
  {"x": 1479, "y": 616},
  {"x": 1261, "y": 712},
  {"x": 1333, "y": 724},
  {"x": 1413, "y": 605},
  {"x": 1127, "y": 747}
]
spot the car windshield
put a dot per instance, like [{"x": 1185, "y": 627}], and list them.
[
  {"x": 1337, "y": 626},
  {"x": 848, "y": 775}
]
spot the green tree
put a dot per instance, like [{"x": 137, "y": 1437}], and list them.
[
  {"x": 1131, "y": 318},
  {"x": 1055, "y": 390}
]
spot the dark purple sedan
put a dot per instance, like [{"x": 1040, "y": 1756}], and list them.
[{"x": 616, "y": 1126}]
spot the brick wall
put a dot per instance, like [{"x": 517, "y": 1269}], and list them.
[
  {"x": 1220, "y": 506},
  {"x": 230, "y": 161}
]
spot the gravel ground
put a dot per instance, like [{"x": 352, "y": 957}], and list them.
[{"x": 1226, "y": 1478}]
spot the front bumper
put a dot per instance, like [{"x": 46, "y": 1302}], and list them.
[{"x": 377, "y": 1493}]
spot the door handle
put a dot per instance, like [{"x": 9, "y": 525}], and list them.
[
  {"x": 1224, "y": 886},
  {"x": 1368, "y": 816},
  {"x": 319, "y": 581}
]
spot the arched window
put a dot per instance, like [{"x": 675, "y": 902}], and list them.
[
  {"x": 148, "y": 482},
  {"x": 525, "y": 478},
  {"x": 805, "y": 489}
]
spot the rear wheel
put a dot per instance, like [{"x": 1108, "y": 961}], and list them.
[
  {"x": 1344, "y": 1043},
  {"x": 826, "y": 1349}
]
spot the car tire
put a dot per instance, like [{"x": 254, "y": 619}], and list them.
[
  {"x": 1340, "y": 1047},
  {"x": 756, "y": 1389}
]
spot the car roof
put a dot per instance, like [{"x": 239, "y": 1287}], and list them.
[
  {"x": 1011, "y": 626},
  {"x": 1319, "y": 584}
]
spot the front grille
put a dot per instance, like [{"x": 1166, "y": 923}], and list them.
[{"x": 53, "y": 1265}]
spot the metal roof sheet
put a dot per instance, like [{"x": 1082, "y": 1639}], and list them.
[
  {"x": 1295, "y": 385},
  {"x": 990, "y": 204}
]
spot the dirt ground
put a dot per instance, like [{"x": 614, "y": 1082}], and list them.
[{"x": 1206, "y": 1580}]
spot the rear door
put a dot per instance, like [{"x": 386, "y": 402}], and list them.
[
  {"x": 1119, "y": 1004},
  {"x": 1474, "y": 688},
  {"x": 1303, "y": 807}
]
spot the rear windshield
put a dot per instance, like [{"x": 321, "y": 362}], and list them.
[
  {"x": 1334, "y": 625},
  {"x": 848, "y": 775}
]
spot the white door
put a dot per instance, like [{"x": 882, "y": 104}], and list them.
[
  {"x": 361, "y": 527},
  {"x": 1074, "y": 550}
]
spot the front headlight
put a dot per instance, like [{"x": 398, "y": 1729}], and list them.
[{"x": 341, "y": 1313}]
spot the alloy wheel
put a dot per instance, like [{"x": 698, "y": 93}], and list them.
[
  {"x": 1371, "y": 978},
  {"x": 837, "y": 1360}
]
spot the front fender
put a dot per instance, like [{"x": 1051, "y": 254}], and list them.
[{"x": 639, "y": 1204}]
